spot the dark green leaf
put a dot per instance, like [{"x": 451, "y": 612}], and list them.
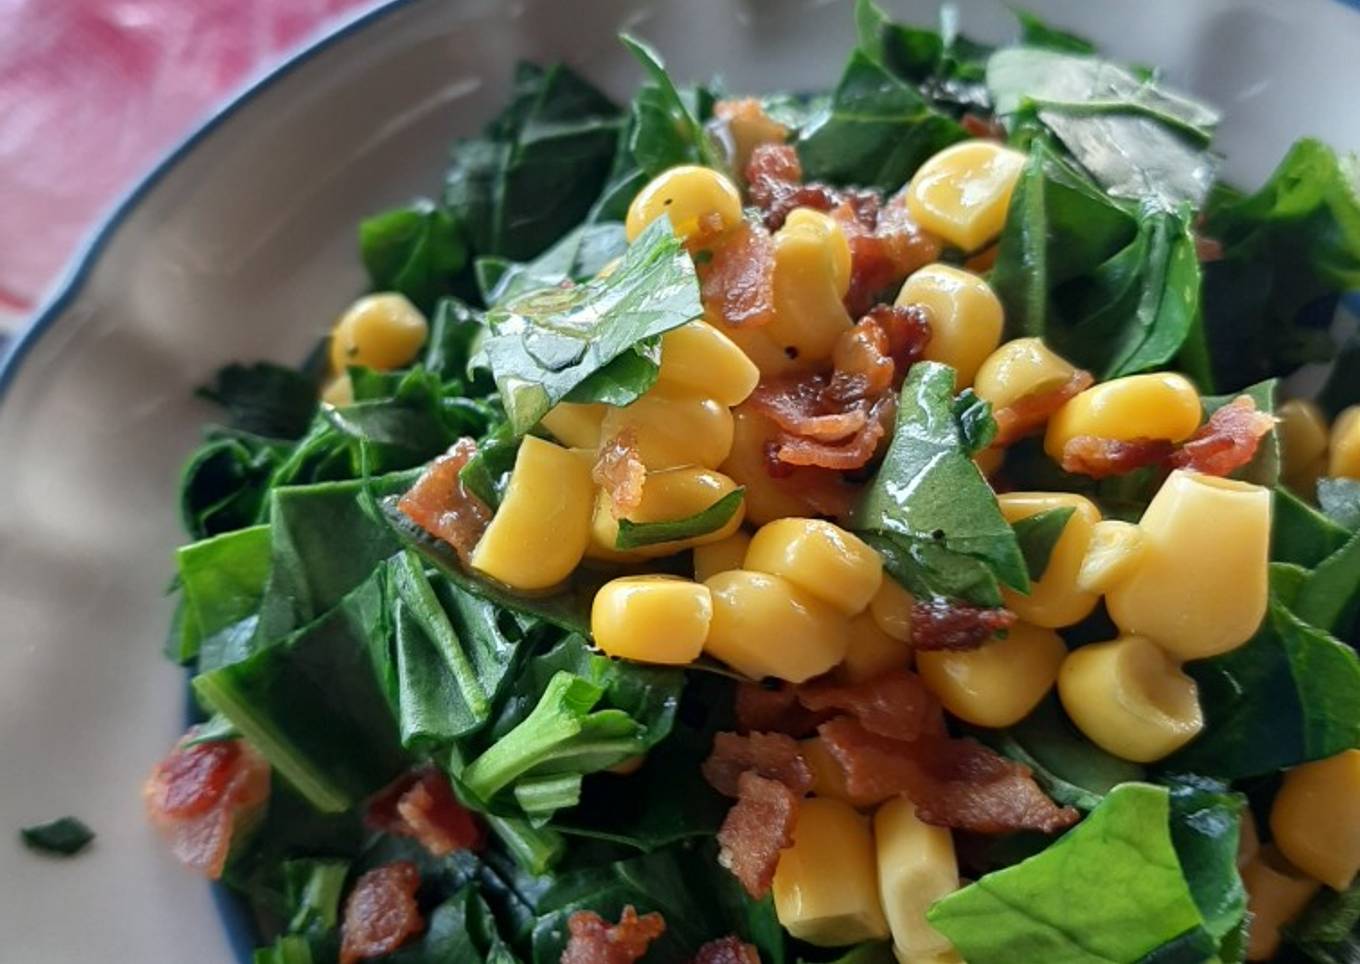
[
  {"x": 1301, "y": 534},
  {"x": 977, "y": 428},
  {"x": 1342, "y": 388},
  {"x": 417, "y": 250},
  {"x": 223, "y": 485},
  {"x": 1340, "y": 501},
  {"x": 223, "y": 580},
  {"x": 1038, "y": 534},
  {"x": 1330, "y": 595},
  {"x": 455, "y": 330},
  {"x": 64, "y": 837},
  {"x": 288, "y": 949},
  {"x": 1034, "y": 32},
  {"x": 665, "y": 131},
  {"x": 1205, "y": 818},
  {"x": 312, "y": 888},
  {"x": 635, "y": 535},
  {"x": 462, "y": 928},
  {"x": 578, "y": 257},
  {"x": 264, "y": 399},
  {"x": 928, "y": 570},
  {"x": 487, "y": 473},
  {"x": 1328, "y": 931}
]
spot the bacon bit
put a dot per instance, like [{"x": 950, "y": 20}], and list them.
[
  {"x": 953, "y": 783},
  {"x": 886, "y": 245},
  {"x": 755, "y": 830},
  {"x": 774, "y": 181},
  {"x": 772, "y": 755},
  {"x": 799, "y": 406},
  {"x": 1027, "y": 415},
  {"x": 941, "y": 624},
  {"x": 894, "y": 704},
  {"x": 743, "y": 126},
  {"x": 1208, "y": 249},
  {"x": 441, "y": 505},
  {"x": 727, "y": 950},
  {"x": 619, "y": 471},
  {"x": 778, "y": 710},
  {"x": 381, "y": 912},
  {"x": 199, "y": 797},
  {"x": 984, "y": 260},
  {"x": 1102, "y": 457},
  {"x": 1227, "y": 441},
  {"x": 421, "y": 805},
  {"x": 985, "y": 128},
  {"x": 737, "y": 283},
  {"x": 899, "y": 332},
  {"x": 847, "y": 456},
  {"x": 595, "y": 941}
]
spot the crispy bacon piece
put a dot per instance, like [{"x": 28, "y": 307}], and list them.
[
  {"x": 619, "y": 471},
  {"x": 774, "y": 182},
  {"x": 773, "y": 755},
  {"x": 727, "y": 950},
  {"x": 1208, "y": 249},
  {"x": 774, "y": 710},
  {"x": 895, "y": 704},
  {"x": 1102, "y": 457},
  {"x": 953, "y": 783},
  {"x": 757, "y": 827},
  {"x": 737, "y": 282},
  {"x": 942, "y": 624},
  {"x": 1227, "y": 441},
  {"x": 381, "y": 912},
  {"x": 421, "y": 805},
  {"x": 845, "y": 456},
  {"x": 986, "y": 128},
  {"x": 595, "y": 941},
  {"x": 1027, "y": 415},
  {"x": 875, "y": 354},
  {"x": 441, "y": 505},
  {"x": 886, "y": 245},
  {"x": 200, "y": 796},
  {"x": 799, "y": 406}
]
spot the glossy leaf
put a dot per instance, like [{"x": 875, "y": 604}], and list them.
[
  {"x": 1038, "y": 534},
  {"x": 636, "y": 535},
  {"x": 64, "y": 837},
  {"x": 417, "y": 250},
  {"x": 1340, "y": 501},
  {"x": 264, "y": 399}
]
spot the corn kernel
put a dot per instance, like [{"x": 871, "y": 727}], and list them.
[
  {"x": 820, "y": 558},
  {"x": 916, "y": 867},
  {"x": 963, "y": 192},
  {"x": 1315, "y": 820},
  {"x": 674, "y": 428},
  {"x": 811, "y": 276},
  {"x": 1055, "y": 600},
  {"x": 721, "y": 555},
  {"x": 1302, "y": 433},
  {"x": 339, "y": 391},
  {"x": 540, "y": 532},
  {"x": 828, "y": 777},
  {"x": 1001, "y": 681},
  {"x": 1344, "y": 460},
  {"x": 769, "y": 357},
  {"x": 764, "y": 625},
  {"x": 1019, "y": 368},
  {"x": 766, "y": 500},
  {"x": 686, "y": 194},
  {"x": 1276, "y": 894},
  {"x": 1130, "y": 698},
  {"x": 382, "y": 332},
  {"x": 891, "y": 609},
  {"x": 872, "y": 652},
  {"x": 1114, "y": 552},
  {"x": 826, "y": 884},
  {"x": 965, "y": 317},
  {"x": 1199, "y": 588},
  {"x": 1159, "y": 405},
  {"x": 748, "y": 126},
  {"x": 652, "y": 619},
  {"x": 575, "y": 425},
  {"x": 667, "y": 495},
  {"x": 699, "y": 358}
]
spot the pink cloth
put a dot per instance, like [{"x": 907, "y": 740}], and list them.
[{"x": 93, "y": 92}]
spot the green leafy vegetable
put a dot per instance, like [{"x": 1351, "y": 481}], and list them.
[
  {"x": 1038, "y": 534},
  {"x": 1034, "y": 32},
  {"x": 264, "y": 399},
  {"x": 1340, "y": 501},
  {"x": 977, "y": 428},
  {"x": 1328, "y": 931},
  {"x": 64, "y": 837},
  {"x": 1205, "y": 819},
  {"x": 1301, "y": 534},
  {"x": 223, "y": 580},
  {"x": 635, "y": 535},
  {"x": 595, "y": 341},
  {"x": 578, "y": 257},
  {"x": 1329, "y": 596},
  {"x": 288, "y": 949},
  {"x": 313, "y": 889},
  {"x": 417, "y": 250},
  {"x": 1264, "y": 467},
  {"x": 223, "y": 485},
  {"x": 665, "y": 131}
]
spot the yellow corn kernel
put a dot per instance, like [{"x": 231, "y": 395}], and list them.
[
  {"x": 811, "y": 276},
  {"x": 1158, "y": 405},
  {"x": 965, "y": 317},
  {"x": 1054, "y": 600},
  {"x": 382, "y": 332},
  {"x": 1199, "y": 588},
  {"x": 828, "y": 779},
  {"x": 747, "y": 127},
  {"x": 339, "y": 391},
  {"x": 540, "y": 532},
  {"x": 826, "y": 884},
  {"x": 916, "y": 867},
  {"x": 1114, "y": 552},
  {"x": 1001, "y": 681},
  {"x": 1344, "y": 460},
  {"x": 1130, "y": 698},
  {"x": 1276, "y": 894},
  {"x": 820, "y": 558},
  {"x": 721, "y": 555},
  {"x": 1315, "y": 819},
  {"x": 989, "y": 460},
  {"x": 667, "y": 495},
  {"x": 1302, "y": 433},
  {"x": 685, "y": 194},
  {"x": 766, "y": 500},
  {"x": 674, "y": 428},
  {"x": 1019, "y": 368},
  {"x": 575, "y": 425},
  {"x": 769, "y": 357},
  {"x": 872, "y": 652},
  {"x": 891, "y": 609},
  {"x": 963, "y": 192},
  {"x": 652, "y": 619},
  {"x": 697, "y": 357},
  {"x": 764, "y": 625}
]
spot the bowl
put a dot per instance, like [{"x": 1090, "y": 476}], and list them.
[{"x": 241, "y": 245}]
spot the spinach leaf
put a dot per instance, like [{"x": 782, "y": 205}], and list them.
[
  {"x": 288, "y": 949},
  {"x": 596, "y": 341},
  {"x": 1342, "y": 388},
  {"x": 462, "y": 928},
  {"x": 946, "y": 67},
  {"x": 1111, "y": 889},
  {"x": 222, "y": 486},
  {"x": 1205, "y": 819},
  {"x": 665, "y": 132},
  {"x": 487, "y": 474},
  {"x": 1264, "y": 468},
  {"x": 1299, "y": 533},
  {"x": 578, "y": 257},
  {"x": 928, "y": 497},
  {"x": 64, "y": 837},
  {"x": 1139, "y": 140},
  {"x": 635, "y": 535},
  {"x": 1034, "y": 32},
  {"x": 264, "y": 399},
  {"x": 312, "y": 889},
  {"x": 1037, "y": 535},
  {"x": 455, "y": 330},
  {"x": 1330, "y": 595},
  {"x": 977, "y": 428},
  {"x": 1340, "y": 501},
  {"x": 417, "y": 250},
  {"x": 1328, "y": 931},
  {"x": 223, "y": 580}
]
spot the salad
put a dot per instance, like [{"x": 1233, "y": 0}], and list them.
[{"x": 881, "y": 524}]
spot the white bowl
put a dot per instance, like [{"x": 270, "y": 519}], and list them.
[{"x": 241, "y": 245}]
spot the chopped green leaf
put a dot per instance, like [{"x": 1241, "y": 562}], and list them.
[
  {"x": 977, "y": 428},
  {"x": 1328, "y": 931},
  {"x": 64, "y": 837},
  {"x": 313, "y": 889},
  {"x": 665, "y": 131},
  {"x": 1340, "y": 501},
  {"x": 223, "y": 580},
  {"x": 1330, "y": 595},
  {"x": 578, "y": 257},
  {"x": 289, "y": 949},
  {"x": 1299, "y": 533},
  {"x": 222, "y": 486},
  {"x": 1205, "y": 819},
  {"x": 1038, "y": 534},
  {"x": 264, "y": 399},
  {"x": 1034, "y": 32},
  {"x": 417, "y": 250},
  {"x": 635, "y": 535}
]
